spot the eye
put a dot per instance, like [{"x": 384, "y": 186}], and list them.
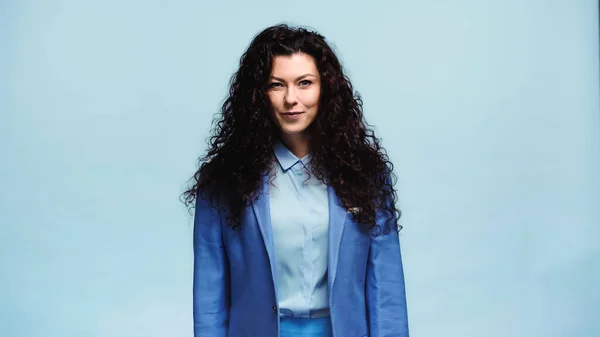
[
  {"x": 275, "y": 85},
  {"x": 305, "y": 83}
]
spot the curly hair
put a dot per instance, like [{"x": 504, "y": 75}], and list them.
[{"x": 344, "y": 150}]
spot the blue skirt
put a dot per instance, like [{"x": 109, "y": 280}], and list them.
[{"x": 305, "y": 327}]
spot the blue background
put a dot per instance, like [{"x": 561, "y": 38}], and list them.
[{"x": 489, "y": 110}]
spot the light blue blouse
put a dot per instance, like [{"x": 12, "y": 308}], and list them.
[{"x": 300, "y": 221}]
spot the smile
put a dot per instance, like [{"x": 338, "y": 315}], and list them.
[{"x": 292, "y": 114}]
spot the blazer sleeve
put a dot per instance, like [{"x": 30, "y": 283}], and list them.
[
  {"x": 385, "y": 289},
  {"x": 211, "y": 273}
]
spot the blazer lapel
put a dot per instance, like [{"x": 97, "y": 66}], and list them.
[
  {"x": 262, "y": 212},
  {"x": 337, "y": 218}
]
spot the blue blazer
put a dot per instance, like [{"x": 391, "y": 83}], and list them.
[{"x": 234, "y": 278}]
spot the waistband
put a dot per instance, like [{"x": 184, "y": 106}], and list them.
[
  {"x": 305, "y": 327},
  {"x": 320, "y": 313}
]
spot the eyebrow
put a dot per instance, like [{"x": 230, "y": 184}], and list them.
[{"x": 297, "y": 79}]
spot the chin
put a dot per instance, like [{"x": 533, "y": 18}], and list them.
[{"x": 293, "y": 131}]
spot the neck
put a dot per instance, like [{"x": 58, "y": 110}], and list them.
[{"x": 297, "y": 144}]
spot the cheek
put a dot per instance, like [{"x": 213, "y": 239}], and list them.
[
  {"x": 272, "y": 99},
  {"x": 312, "y": 99}
]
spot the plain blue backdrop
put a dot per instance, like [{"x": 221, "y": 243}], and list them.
[{"x": 488, "y": 109}]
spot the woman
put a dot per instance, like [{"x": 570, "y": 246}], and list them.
[{"x": 295, "y": 230}]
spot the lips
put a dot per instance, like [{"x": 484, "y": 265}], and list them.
[{"x": 292, "y": 113}]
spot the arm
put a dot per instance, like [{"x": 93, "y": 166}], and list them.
[
  {"x": 211, "y": 273},
  {"x": 385, "y": 290}
]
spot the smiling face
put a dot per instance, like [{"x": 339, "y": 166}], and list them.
[{"x": 294, "y": 91}]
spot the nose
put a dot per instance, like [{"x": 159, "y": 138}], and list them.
[{"x": 291, "y": 97}]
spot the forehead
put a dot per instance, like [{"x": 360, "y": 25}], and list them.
[{"x": 294, "y": 65}]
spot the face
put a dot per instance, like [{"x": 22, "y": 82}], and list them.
[{"x": 294, "y": 90}]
